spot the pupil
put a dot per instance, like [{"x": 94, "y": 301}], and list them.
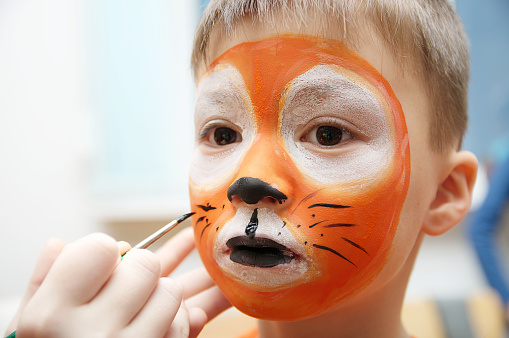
[
  {"x": 224, "y": 136},
  {"x": 328, "y": 136}
]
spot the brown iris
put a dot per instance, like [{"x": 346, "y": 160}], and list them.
[
  {"x": 328, "y": 135},
  {"x": 224, "y": 136}
]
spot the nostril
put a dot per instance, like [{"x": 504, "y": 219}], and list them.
[
  {"x": 252, "y": 190},
  {"x": 236, "y": 199},
  {"x": 269, "y": 200},
  {"x": 265, "y": 200}
]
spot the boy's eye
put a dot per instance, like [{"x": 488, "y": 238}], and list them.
[
  {"x": 328, "y": 135},
  {"x": 224, "y": 136},
  {"x": 219, "y": 134}
]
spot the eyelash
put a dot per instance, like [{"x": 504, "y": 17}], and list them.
[
  {"x": 212, "y": 125},
  {"x": 205, "y": 131},
  {"x": 215, "y": 125},
  {"x": 327, "y": 122}
]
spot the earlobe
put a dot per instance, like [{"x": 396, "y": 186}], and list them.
[{"x": 454, "y": 194}]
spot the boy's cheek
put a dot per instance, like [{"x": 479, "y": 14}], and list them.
[
  {"x": 344, "y": 233},
  {"x": 345, "y": 236}
]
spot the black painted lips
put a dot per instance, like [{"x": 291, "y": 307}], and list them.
[{"x": 258, "y": 252}]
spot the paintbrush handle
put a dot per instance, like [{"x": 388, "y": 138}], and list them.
[
  {"x": 156, "y": 235},
  {"x": 160, "y": 233}
]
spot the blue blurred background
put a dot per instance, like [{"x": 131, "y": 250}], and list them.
[{"x": 488, "y": 29}]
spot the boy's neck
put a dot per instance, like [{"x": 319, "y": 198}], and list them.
[{"x": 379, "y": 315}]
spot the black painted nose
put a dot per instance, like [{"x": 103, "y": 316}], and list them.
[{"x": 252, "y": 190}]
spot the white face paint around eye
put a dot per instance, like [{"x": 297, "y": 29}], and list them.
[
  {"x": 324, "y": 97},
  {"x": 221, "y": 101}
]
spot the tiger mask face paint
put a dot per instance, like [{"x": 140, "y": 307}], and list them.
[{"x": 299, "y": 174}]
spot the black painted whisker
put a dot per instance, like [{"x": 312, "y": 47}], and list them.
[
  {"x": 199, "y": 220},
  {"x": 338, "y": 225},
  {"x": 334, "y": 252},
  {"x": 356, "y": 245},
  {"x": 206, "y": 208},
  {"x": 312, "y": 225},
  {"x": 327, "y": 205},
  {"x": 305, "y": 199},
  {"x": 203, "y": 230}
]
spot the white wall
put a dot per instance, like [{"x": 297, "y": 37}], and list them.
[
  {"x": 51, "y": 123},
  {"x": 44, "y": 138}
]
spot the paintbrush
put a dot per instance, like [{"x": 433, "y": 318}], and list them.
[
  {"x": 160, "y": 233},
  {"x": 148, "y": 241}
]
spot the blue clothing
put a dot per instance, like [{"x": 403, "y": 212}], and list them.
[{"x": 485, "y": 227}]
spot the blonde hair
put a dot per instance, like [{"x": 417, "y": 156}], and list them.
[{"x": 426, "y": 35}]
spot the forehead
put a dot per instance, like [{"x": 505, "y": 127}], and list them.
[
  {"x": 269, "y": 68},
  {"x": 268, "y": 65},
  {"x": 283, "y": 51}
]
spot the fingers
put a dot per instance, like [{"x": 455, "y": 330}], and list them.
[
  {"x": 159, "y": 312},
  {"x": 211, "y": 301},
  {"x": 197, "y": 320},
  {"x": 75, "y": 277},
  {"x": 175, "y": 250},
  {"x": 48, "y": 255},
  {"x": 129, "y": 287},
  {"x": 180, "y": 326},
  {"x": 194, "y": 282},
  {"x": 204, "y": 300},
  {"x": 81, "y": 269}
]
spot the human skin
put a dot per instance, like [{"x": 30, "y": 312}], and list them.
[
  {"x": 438, "y": 197},
  {"x": 84, "y": 290}
]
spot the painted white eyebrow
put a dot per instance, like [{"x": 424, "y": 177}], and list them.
[
  {"x": 219, "y": 91},
  {"x": 321, "y": 83},
  {"x": 218, "y": 95}
]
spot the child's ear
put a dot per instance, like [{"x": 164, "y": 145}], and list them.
[{"x": 454, "y": 194}]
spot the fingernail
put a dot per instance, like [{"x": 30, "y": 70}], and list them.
[{"x": 123, "y": 247}]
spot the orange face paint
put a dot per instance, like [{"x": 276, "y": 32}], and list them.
[{"x": 288, "y": 222}]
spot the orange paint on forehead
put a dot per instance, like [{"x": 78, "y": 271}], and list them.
[
  {"x": 366, "y": 226},
  {"x": 264, "y": 67}
]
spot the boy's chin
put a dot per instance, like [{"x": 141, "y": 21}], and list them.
[
  {"x": 279, "y": 305},
  {"x": 289, "y": 302}
]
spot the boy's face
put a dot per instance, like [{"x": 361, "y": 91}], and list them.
[{"x": 299, "y": 175}]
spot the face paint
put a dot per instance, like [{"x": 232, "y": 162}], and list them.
[{"x": 303, "y": 204}]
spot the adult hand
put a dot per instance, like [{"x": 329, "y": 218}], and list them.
[
  {"x": 203, "y": 299},
  {"x": 82, "y": 290}
]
